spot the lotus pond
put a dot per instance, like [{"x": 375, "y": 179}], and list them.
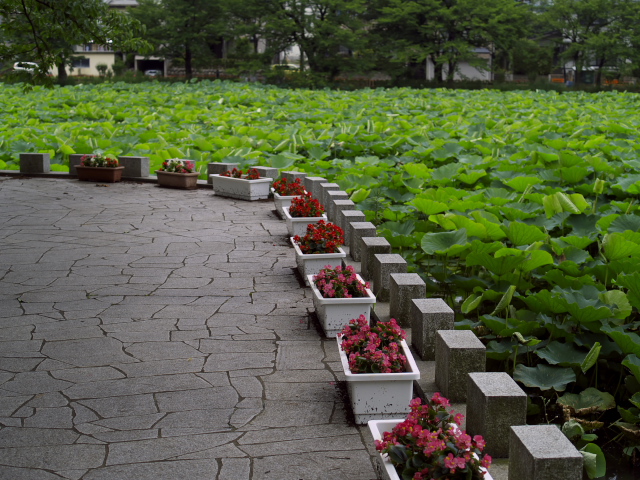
[{"x": 518, "y": 208}]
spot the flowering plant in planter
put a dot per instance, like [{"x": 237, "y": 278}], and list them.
[
  {"x": 173, "y": 165},
  {"x": 305, "y": 206},
  {"x": 338, "y": 282},
  {"x": 99, "y": 160},
  {"x": 430, "y": 445},
  {"x": 287, "y": 189},
  {"x": 252, "y": 174},
  {"x": 373, "y": 349},
  {"x": 321, "y": 237}
]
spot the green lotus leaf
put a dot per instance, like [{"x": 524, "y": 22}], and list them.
[
  {"x": 574, "y": 174},
  {"x": 471, "y": 176},
  {"x": 429, "y": 207},
  {"x": 616, "y": 247},
  {"x": 500, "y": 349},
  {"x": 546, "y": 302},
  {"x": 628, "y": 342},
  {"x": 444, "y": 242},
  {"x": 635, "y": 399},
  {"x": 536, "y": 259},
  {"x": 520, "y": 184},
  {"x": 632, "y": 282},
  {"x": 591, "y": 398},
  {"x": 563, "y": 354},
  {"x": 595, "y": 463},
  {"x": 624, "y": 223},
  {"x": 632, "y": 362},
  {"x": 499, "y": 266},
  {"x": 522, "y": 234},
  {"x": 617, "y": 299},
  {"x": 544, "y": 377}
]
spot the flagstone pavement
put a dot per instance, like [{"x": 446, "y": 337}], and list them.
[{"x": 148, "y": 333}]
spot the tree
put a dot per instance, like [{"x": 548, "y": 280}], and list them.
[
  {"x": 447, "y": 31},
  {"x": 183, "y": 29},
  {"x": 45, "y": 31}
]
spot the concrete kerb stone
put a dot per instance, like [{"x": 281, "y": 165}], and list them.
[
  {"x": 218, "y": 168},
  {"x": 293, "y": 176},
  {"x": 368, "y": 247},
  {"x": 358, "y": 231},
  {"x": 495, "y": 403},
  {"x": 458, "y": 352},
  {"x": 35, "y": 163},
  {"x": 428, "y": 315},
  {"x": 345, "y": 217},
  {"x": 542, "y": 452},
  {"x": 403, "y": 288},
  {"x": 311, "y": 185},
  {"x": 383, "y": 266}
]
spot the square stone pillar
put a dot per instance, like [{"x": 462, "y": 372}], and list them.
[
  {"x": 74, "y": 161},
  {"x": 542, "y": 452},
  {"x": 428, "y": 315},
  {"x": 369, "y": 246},
  {"x": 345, "y": 217},
  {"x": 293, "y": 176},
  {"x": 135, "y": 166},
  {"x": 332, "y": 196},
  {"x": 322, "y": 197},
  {"x": 383, "y": 266},
  {"x": 495, "y": 403},
  {"x": 337, "y": 207},
  {"x": 458, "y": 352},
  {"x": 403, "y": 288},
  {"x": 358, "y": 231},
  {"x": 219, "y": 168},
  {"x": 35, "y": 163},
  {"x": 311, "y": 185},
  {"x": 269, "y": 172}
]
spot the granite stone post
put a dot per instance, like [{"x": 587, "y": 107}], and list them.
[
  {"x": 542, "y": 452},
  {"x": 383, "y": 266},
  {"x": 74, "y": 161},
  {"x": 311, "y": 185},
  {"x": 345, "y": 218},
  {"x": 495, "y": 403},
  {"x": 358, "y": 231},
  {"x": 322, "y": 194},
  {"x": 35, "y": 163},
  {"x": 428, "y": 315},
  {"x": 369, "y": 246},
  {"x": 293, "y": 176},
  {"x": 135, "y": 166},
  {"x": 337, "y": 206},
  {"x": 404, "y": 287},
  {"x": 458, "y": 352},
  {"x": 219, "y": 168},
  {"x": 269, "y": 172}
]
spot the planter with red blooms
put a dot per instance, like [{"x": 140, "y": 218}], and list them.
[
  {"x": 177, "y": 173},
  {"x": 319, "y": 247},
  {"x": 303, "y": 210},
  {"x": 284, "y": 192},
  {"x": 99, "y": 168}
]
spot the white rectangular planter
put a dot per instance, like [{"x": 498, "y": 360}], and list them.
[
  {"x": 312, "y": 263},
  {"x": 241, "y": 188},
  {"x": 335, "y": 313},
  {"x": 375, "y": 396},
  {"x": 298, "y": 225},
  {"x": 377, "y": 428},
  {"x": 282, "y": 201}
]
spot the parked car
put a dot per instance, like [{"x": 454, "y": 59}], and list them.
[
  {"x": 29, "y": 67},
  {"x": 153, "y": 73}
]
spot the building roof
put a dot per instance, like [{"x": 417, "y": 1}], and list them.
[{"x": 122, "y": 3}]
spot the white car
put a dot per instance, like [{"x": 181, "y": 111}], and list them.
[
  {"x": 153, "y": 73},
  {"x": 29, "y": 67}
]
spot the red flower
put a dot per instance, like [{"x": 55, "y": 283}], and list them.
[{"x": 305, "y": 206}]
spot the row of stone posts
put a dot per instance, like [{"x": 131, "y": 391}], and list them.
[{"x": 496, "y": 405}]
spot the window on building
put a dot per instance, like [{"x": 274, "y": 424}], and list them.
[{"x": 81, "y": 63}]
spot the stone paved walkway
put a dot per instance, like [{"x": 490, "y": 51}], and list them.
[{"x": 156, "y": 334}]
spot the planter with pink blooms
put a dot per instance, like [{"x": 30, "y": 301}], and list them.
[
  {"x": 319, "y": 247},
  {"x": 339, "y": 295},
  {"x": 429, "y": 444},
  {"x": 379, "y": 369},
  {"x": 177, "y": 173}
]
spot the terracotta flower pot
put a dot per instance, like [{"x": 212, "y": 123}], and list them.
[{"x": 99, "y": 174}]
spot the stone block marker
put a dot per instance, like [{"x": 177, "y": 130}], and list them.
[
  {"x": 495, "y": 403},
  {"x": 458, "y": 352},
  {"x": 345, "y": 218},
  {"x": 218, "y": 168},
  {"x": 268, "y": 172},
  {"x": 311, "y": 185},
  {"x": 35, "y": 163},
  {"x": 74, "y": 161},
  {"x": 428, "y": 315},
  {"x": 331, "y": 197},
  {"x": 403, "y": 288},
  {"x": 383, "y": 266},
  {"x": 322, "y": 190},
  {"x": 358, "y": 231},
  {"x": 292, "y": 176},
  {"x": 542, "y": 452},
  {"x": 369, "y": 246},
  {"x": 135, "y": 166},
  {"x": 337, "y": 207}
]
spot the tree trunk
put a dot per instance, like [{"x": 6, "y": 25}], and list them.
[
  {"x": 188, "y": 69},
  {"x": 62, "y": 73},
  {"x": 437, "y": 71},
  {"x": 599, "y": 73},
  {"x": 451, "y": 72}
]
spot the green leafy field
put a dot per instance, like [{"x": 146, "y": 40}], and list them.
[{"x": 520, "y": 208}]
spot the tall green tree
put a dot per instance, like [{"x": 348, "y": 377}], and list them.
[
  {"x": 447, "y": 31},
  {"x": 183, "y": 29},
  {"x": 45, "y": 31}
]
